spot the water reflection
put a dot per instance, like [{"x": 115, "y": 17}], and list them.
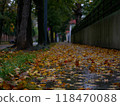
[{"x": 93, "y": 81}]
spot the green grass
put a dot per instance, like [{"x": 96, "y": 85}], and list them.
[{"x": 9, "y": 62}]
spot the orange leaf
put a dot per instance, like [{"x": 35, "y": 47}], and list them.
[
  {"x": 87, "y": 89},
  {"x": 81, "y": 89},
  {"x": 42, "y": 85},
  {"x": 92, "y": 68},
  {"x": 6, "y": 86}
]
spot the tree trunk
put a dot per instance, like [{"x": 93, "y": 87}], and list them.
[
  {"x": 2, "y": 7},
  {"x": 48, "y": 41},
  {"x": 41, "y": 36},
  {"x": 29, "y": 31},
  {"x": 24, "y": 25},
  {"x": 55, "y": 37},
  {"x": 1, "y": 24},
  {"x": 40, "y": 13},
  {"x": 51, "y": 35},
  {"x": 19, "y": 17}
]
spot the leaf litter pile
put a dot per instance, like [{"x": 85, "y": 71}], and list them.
[{"x": 63, "y": 67}]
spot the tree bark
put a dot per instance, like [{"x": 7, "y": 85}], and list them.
[
  {"x": 1, "y": 24},
  {"x": 40, "y": 13},
  {"x": 55, "y": 37},
  {"x": 19, "y": 17},
  {"x": 48, "y": 41},
  {"x": 51, "y": 35},
  {"x": 29, "y": 31},
  {"x": 41, "y": 36},
  {"x": 24, "y": 38}
]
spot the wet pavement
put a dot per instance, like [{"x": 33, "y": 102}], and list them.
[
  {"x": 81, "y": 79},
  {"x": 86, "y": 80},
  {"x": 97, "y": 69},
  {"x": 72, "y": 67}
]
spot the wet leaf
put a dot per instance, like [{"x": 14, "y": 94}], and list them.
[{"x": 63, "y": 66}]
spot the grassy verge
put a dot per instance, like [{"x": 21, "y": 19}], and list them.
[{"x": 12, "y": 61}]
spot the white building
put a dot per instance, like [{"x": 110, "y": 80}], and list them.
[{"x": 68, "y": 33}]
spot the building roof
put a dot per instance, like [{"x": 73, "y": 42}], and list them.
[{"x": 67, "y": 31}]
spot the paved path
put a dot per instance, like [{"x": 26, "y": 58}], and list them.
[
  {"x": 5, "y": 46},
  {"x": 71, "y": 67},
  {"x": 35, "y": 43},
  {"x": 9, "y": 45}
]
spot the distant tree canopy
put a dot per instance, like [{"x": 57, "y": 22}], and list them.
[
  {"x": 59, "y": 12},
  {"x": 8, "y": 11},
  {"x": 16, "y": 18}
]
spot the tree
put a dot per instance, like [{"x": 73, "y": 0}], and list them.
[
  {"x": 87, "y": 5},
  {"x": 40, "y": 14},
  {"x": 24, "y": 38},
  {"x": 8, "y": 13},
  {"x": 59, "y": 11},
  {"x": 78, "y": 12}
]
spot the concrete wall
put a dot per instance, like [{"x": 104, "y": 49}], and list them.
[{"x": 104, "y": 33}]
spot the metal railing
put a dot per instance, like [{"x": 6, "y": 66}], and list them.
[{"x": 105, "y": 8}]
